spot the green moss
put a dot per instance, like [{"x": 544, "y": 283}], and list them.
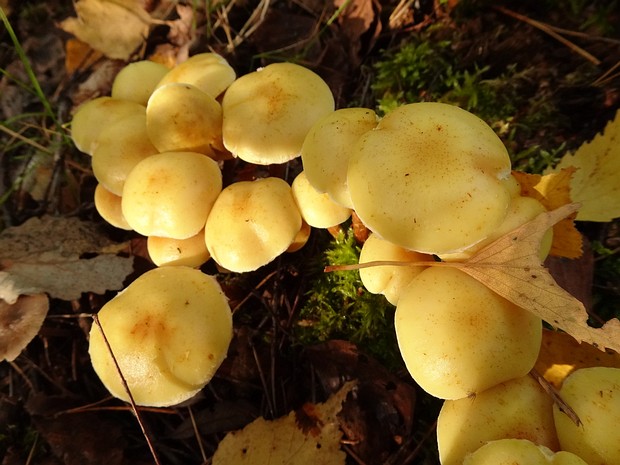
[{"x": 339, "y": 307}]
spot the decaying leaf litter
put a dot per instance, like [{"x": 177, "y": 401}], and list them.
[{"x": 267, "y": 372}]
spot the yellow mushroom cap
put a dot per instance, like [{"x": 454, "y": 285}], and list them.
[
  {"x": 170, "y": 194},
  {"x": 91, "y": 117},
  {"x": 188, "y": 252},
  {"x": 267, "y": 113},
  {"x": 251, "y": 223},
  {"x": 169, "y": 331},
  {"x": 430, "y": 177},
  {"x": 137, "y": 81},
  {"x": 210, "y": 72},
  {"x": 316, "y": 208},
  {"x": 327, "y": 147},
  {"x": 108, "y": 205},
  {"x": 594, "y": 394},
  {"x": 511, "y": 451},
  {"x": 181, "y": 117}
]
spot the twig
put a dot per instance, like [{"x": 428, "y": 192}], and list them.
[{"x": 555, "y": 396}]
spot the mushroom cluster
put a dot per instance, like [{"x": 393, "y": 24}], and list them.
[{"x": 429, "y": 181}]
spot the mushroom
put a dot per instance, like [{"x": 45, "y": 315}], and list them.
[
  {"x": 108, "y": 205},
  {"x": 181, "y": 117},
  {"x": 137, "y": 81},
  {"x": 91, "y": 117},
  {"x": 188, "y": 252},
  {"x": 169, "y": 331},
  {"x": 251, "y": 223},
  {"x": 170, "y": 194},
  {"x": 386, "y": 279},
  {"x": 210, "y": 72},
  {"x": 120, "y": 146},
  {"x": 267, "y": 113},
  {"x": 430, "y": 177},
  {"x": 519, "y": 408},
  {"x": 458, "y": 338},
  {"x": 520, "y": 452},
  {"x": 594, "y": 394},
  {"x": 316, "y": 208},
  {"x": 327, "y": 147}
]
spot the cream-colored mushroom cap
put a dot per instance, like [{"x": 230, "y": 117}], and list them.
[
  {"x": 108, "y": 205},
  {"x": 251, "y": 223},
  {"x": 120, "y": 146},
  {"x": 385, "y": 279},
  {"x": 136, "y": 81},
  {"x": 431, "y": 177},
  {"x": 458, "y": 338},
  {"x": 169, "y": 331},
  {"x": 91, "y": 117},
  {"x": 316, "y": 208},
  {"x": 165, "y": 251},
  {"x": 512, "y": 451},
  {"x": 594, "y": 394},
  {"x": 181, "y": 117},
  {"x": 210, "y": 72},
  {"x": 170, "y": 194},
  {"x": 327, "y": 147},
  {"x": 267, "y": 113}
]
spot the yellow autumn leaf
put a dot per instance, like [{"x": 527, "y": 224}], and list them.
[
  {"x": 510, "y": 267},
  {"x": 596, "y": 182},
  {"x": 553, "y": 191},
  {"x": 116, "y": 28},
  {"x": 309, "y": 436}
]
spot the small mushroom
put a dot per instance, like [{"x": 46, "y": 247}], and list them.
[
  {"x": 108, "y": 205},
  {"x": 267, "y": 113},
  {"x": 512, "y": 451},
  {"x": 316, "y": 208},
  {"x": 252, "y": 223},
  {"x": 170, "y": 194},
  {"x": 188, "y": 252},
  {"x": 137, "y": 81},
  {"x": 169, "y": 331}
]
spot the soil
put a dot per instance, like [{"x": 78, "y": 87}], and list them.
[{"x": 54, "y": 410}]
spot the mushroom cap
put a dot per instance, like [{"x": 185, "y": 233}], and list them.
[
  {"x": 181, "y": 117},
  {"x": 170, "y": 194},
  {"x": 208, "y": 71},
  {"x": 511, "y": 451},
  {"x": 316, "y": 208},
  {"x": 267, "y": 113},
  {"x": 251, "y": 223},
  {"x": 519, "y": 408},
  {"x": 108, "y": 205},
  {"x": 458, "y": 338},
  {"x": 120, "y": 146},
  {"x": 430, "y": 177},
  {"x": 188, "y": 252},
  {"x": 327, "y": 147},
  {"x": 91, "y": 117},
  {"x": 388, "y": 280},
  {"x": 169, "y": 331},
  {"x": 594, "y": 394},
  {"x": 137, "y": 81}
]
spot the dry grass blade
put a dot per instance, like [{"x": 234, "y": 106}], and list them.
[{"x": 555, "y": 396}]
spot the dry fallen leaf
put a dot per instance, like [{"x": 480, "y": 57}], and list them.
[
  {"x": 50, "y": 255},
  {"x": 20, "y": 323},
  {"x": 596, "y": 182},
  {"x": 553, "y": 191},
  {"x": 116, "y": 28},
  {"x": 510, "y": 267},
  {"x": 308, "y": 436}
]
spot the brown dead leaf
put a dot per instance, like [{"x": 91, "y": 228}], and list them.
[
  {"x": 310, "y": 435},
  {"x": 50, "y": 255},
  {"x": 20, "y": 323},
  {"x": 510, "y": 267},
  {"x": 553, "y": 191},
  {"x": 116, "y": 28}
]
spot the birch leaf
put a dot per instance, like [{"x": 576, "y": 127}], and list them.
[
  {"x": 596, "y": 182},
  {"x": 510, "y": 267}
]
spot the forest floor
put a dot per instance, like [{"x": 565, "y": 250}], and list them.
[{"x": 544, "y": 74}]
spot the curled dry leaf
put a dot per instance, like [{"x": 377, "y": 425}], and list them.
[
  {"x": 20, "y": 323},
  {"x": 310, "y": 435}
]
